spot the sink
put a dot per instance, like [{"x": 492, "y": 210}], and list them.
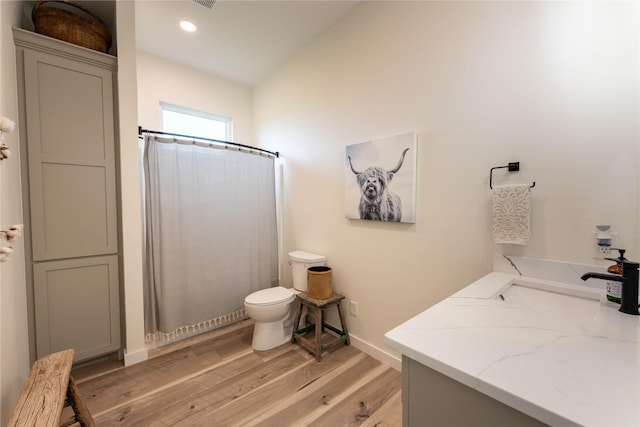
[
  {"x": 541, "y": 346},
  {"x": 560, "y": 298}
]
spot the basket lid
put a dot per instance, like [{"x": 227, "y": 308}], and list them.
[
  {"x": 270, "y": 296},
  {"x": 302, "y": 256}
]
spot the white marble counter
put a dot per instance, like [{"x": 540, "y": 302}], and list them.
[{"x": 560, "y": 367}]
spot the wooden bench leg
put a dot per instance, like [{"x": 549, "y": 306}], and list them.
[{"x": 83, "y": 416}]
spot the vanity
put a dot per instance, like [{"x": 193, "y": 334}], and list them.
[{"x": 529, "y": 344}]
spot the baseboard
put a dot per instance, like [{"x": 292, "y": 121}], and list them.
[
  {"x": 131, "y": 358},
  {"x": 376, "y": 352}
]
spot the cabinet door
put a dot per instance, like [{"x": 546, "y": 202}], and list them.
[
  {"x": 77, "y": 306},
  {"x": 71, "y": 152}
]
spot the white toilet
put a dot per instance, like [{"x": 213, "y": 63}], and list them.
[{"x": 272, "y": 308}]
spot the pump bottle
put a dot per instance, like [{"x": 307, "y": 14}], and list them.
[{"x": 614, "y": 289}]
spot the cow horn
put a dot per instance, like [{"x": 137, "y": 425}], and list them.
[
  {"x": 397, "y": 168},
  {"x": 352, "y": 169}
]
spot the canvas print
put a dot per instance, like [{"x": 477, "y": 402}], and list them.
[{"x": 381, "y": 179}]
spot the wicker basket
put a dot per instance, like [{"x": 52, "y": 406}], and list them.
[
  {"x": 319, "y": 282},
  {"x": 62, "y": 24}
]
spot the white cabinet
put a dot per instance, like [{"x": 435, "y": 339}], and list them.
[{"x": 67, "y": 104}]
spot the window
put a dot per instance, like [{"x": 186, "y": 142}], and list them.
[{"x": 186, "y": 121}]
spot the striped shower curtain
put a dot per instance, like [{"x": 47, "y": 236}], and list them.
[{"x": 210, "y": 234}]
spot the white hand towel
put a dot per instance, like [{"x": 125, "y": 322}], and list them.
[{"x": 511, "y": 213}]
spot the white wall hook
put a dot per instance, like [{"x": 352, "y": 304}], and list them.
[
  {"x": 12, "y": 234},
  {"x": 5, "y": 253},
  {"x": 5, "y": 152}
]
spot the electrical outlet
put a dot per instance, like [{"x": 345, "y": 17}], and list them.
[
  {"x": 353, "y": 308},
  {"x": 602, "y": 252}
]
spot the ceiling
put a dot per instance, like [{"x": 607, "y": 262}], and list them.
[{"x": 239, "y": 40}]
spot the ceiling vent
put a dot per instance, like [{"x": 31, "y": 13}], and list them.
[{"x": 205, "y": 3}]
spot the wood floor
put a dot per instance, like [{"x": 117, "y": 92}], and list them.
[{"x": 218, "y": 380}]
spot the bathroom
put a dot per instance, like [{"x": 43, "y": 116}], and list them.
[{"x": 552, "y": 85}]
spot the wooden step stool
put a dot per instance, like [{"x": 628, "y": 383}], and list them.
[
  {"x": 47, "y": 391},
  {"x": 321, "y": 341}
]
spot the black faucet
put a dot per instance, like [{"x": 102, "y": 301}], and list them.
[{"x": 629, "y": 280}]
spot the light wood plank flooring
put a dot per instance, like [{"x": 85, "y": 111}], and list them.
[{"x": 216, "y": 379}]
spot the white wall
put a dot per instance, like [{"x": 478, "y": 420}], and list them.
[
  {"x": 553, "y": 85},
  {"x": 14, "y": 341},
  {"x": 130, "y": 192},
  {"x": 163, "y": 80}
]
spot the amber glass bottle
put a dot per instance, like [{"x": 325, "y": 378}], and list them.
[{"x": 614, "y": 289}]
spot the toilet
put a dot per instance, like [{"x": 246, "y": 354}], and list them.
[{"x": 272, "y": 309}]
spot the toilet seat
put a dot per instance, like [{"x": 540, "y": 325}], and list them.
[{"x": 270, "y": 296}]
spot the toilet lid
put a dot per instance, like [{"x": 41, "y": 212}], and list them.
[{"x": 270, "y": 296}]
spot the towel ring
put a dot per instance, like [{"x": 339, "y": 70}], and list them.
[{"x": 513, "y": 167}]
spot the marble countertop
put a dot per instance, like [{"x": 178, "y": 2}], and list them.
[{"x": 559, "y": 367}]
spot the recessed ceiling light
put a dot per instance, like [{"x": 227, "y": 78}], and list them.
[{"x": 188, "y": 26}]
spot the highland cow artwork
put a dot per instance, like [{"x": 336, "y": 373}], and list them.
[{"x": 381, "y": 179}]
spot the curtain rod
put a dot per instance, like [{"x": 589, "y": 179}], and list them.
[{"x": 235, "y": 144}]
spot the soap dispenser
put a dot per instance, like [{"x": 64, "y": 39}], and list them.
[{"x": 614, "y": 289}]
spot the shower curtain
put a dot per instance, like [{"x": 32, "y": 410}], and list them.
[{"x": 210, "y": 234}]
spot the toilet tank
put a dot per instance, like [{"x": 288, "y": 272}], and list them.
[{"x": 300, "y": 261}]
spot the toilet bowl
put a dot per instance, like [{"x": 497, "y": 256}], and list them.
[
  {"x": 269, "y": 308},
  {"x": 272, "y": 309}
]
